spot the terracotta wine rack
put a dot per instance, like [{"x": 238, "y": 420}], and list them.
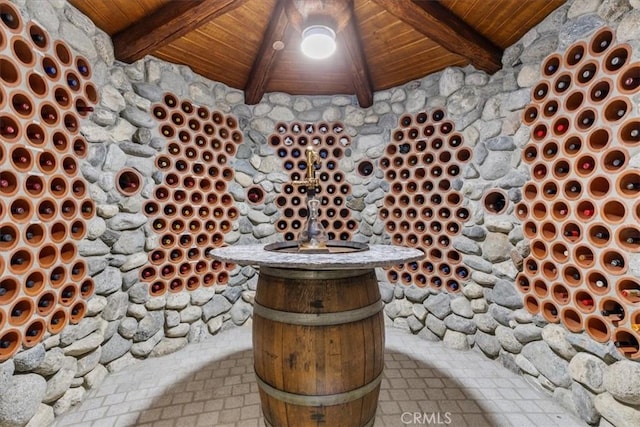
[
  {"x": 191, "y": 210},
  {"x": 422, "y": 210},
  {"x": 330, "y": 141},
  {"x": 581, "y": 209},
  {"x": 45, "y": 90}
]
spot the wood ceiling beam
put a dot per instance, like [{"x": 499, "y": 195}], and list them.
[
  {"x": 265, "y": 58},
  {"x": 167, "y": 24},
  {"x": 350, "y": 38},
  {"x": 448, "y": 30}
]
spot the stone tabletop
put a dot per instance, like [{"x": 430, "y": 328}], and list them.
[{"x": 376, "y": 256}]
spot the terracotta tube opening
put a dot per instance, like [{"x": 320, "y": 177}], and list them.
[
  {"x": 77, "y": 311},
  {"x": 560, "y": 294},
  {"x": 22, "y": 104},
  {"x": 531, "y": 304},
  {"x": 629, "y": 238},
  {"x": 628, "y": 184},
  {"x": 571, "y": 275},
  {"x": 614, "y": 262},
  {"x": 574, "y": 100},
  {"x": 87, "y": 288},
  {"x": 629, "y": 79},
  {"x": 630, "y": 133},
  {"x": 9, "y": 289},
  {"x": 559, "y": 252},
  {"x": 614, "y": 211},
  {"x": 9, "y": 343},
  {"x": 560, "y": 211},
  {"x": 48, "y": 255},
  {"x": 599, "y": 187},
  {"x": 21, "y": 311},
  {"x": 10, "y": 74},
  {"x": 34, "y": 234},
  {"x": 539, "y": 210},
  {"x": 597, "y": 283},
  {"x": 58, "y": 320},
  {"x": 601, "y": 41},
  {"x": 587, "y": 72},
  {"x": 522, "y": 211},
  {"x": 584, "y": 256},
  {"x": 614, "y": 160},
  {"x": 599, "y": 235},
  {"x": 626, "y": 341},
  {"x": 584, "y": 301},
  {"x": 34, "y": 332},
  {"x": 571, "y": 319},
  {"x": 572, "y": 190},
  {"x": 530, "y": 229},
  {"x": 46, "y": 303},
  {"x": 68, "y": 294},
  {"x": 550, "y": 311},
  {"x": 628, "y": 288},
  {"x": 617, "y": 58}
]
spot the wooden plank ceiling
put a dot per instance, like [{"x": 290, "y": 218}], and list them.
[{"x": 253, "y": 45}]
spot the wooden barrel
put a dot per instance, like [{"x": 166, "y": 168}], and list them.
[{"x": 318, "y": 342}]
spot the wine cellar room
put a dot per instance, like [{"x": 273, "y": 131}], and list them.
[{"x": 319, "y": 212}]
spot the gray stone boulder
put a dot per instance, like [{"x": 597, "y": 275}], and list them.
[
  {"x": 485, "y": 322},
  {"x": 7, "y": 368},
  {"x": 29, "y": 359},
  {"x": 58, "y": 384},
  {"x": 622, "y": 380},
  {"x": 455, "y": 340},
  {"x": 588, "y": 370},
  {"x": 496, "y": 247},
  {"x": 615, "y": 412},
  {"x": 147, "y": 327},
  {"x": 488, "y": 344},
  {"x": 462, "y": 307},
  {"x": 88, "y": 362},
  {"x": 50, "y": 364},
  {"x": 548, "y": 363},
  {"x": 20, "y": 399},
  {"x": 555, "y": 337},
  {"x": 435, "y": 325},
  {"x": 240, "y": 312},
  {"x": 108, "y": 281},
  {"x": 71, "y": 397},
  {"x": 215, "y": 307},
  {"x": 116, "y": 307},
  {"x": 167, "y": 346},
  {"x": 527, "y": 333},
  {"x": 84, "y": 345},
  {"x": 507, "y": 339},
  {"x": 460, "y": 324},
  {"x": 416, "y": 294},
  {"x": 496, "y": 165},
  {"x": 583, "y": 401},
  {"x": 439, "y": 305},
  {"x": 114, "y": 348},
  {"x": 504, "y": 293},
  {"x": 44, "y": 416}
]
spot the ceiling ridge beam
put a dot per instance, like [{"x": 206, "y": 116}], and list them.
[
  {"x": 262, "y": 67},
  {"x": 361, "y": 76},
  {"x": 448, "y": 30},
  {"x": 167, "y": 24}
]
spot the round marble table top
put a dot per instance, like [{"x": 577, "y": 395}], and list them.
[{"x": 376, "y": 256}]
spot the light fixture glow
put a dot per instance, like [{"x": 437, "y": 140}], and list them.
[{"x": 318, "y": 42}]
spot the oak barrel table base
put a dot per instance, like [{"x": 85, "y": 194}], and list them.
[{"x": 318, "y": 342}]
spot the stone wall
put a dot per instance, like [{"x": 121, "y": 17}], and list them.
[{"x": 124, "y": 324}]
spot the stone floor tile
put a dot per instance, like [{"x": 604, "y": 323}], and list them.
[{"x": 212, "y": 383}]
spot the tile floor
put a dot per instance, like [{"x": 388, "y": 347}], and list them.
[{"x": 212, "y": 384}]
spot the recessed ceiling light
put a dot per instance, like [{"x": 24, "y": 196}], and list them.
[{"x": 318, "y": 41}]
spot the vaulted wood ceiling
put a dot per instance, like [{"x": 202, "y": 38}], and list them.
[{"x": 253, "y": 45}]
